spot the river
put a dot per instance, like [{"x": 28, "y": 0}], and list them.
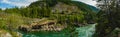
[{"x": 86, "y": 31}]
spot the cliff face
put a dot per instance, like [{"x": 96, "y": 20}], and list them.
[{"x": 65, "y": 8}]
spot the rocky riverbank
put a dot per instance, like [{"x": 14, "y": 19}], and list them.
[
  {"x": 42, "y": 25},
  {"x": 5, "y": 33}
]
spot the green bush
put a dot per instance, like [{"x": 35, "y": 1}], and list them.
[{"x": 10, "y": 21}]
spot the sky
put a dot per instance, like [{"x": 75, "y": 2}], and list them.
[
  {"x": 90, "y": 2},
  {"x": 23, "y": 3},
  {"x": 15, "y": 3}
]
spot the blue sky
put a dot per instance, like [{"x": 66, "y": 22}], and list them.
[
  {"x": 15, "y": 3},
  {"x": 23, "y": 3}
]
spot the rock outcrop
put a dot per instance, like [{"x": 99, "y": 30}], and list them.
[
  {"x": 43, "y": 25},
  {"x": 4, "y": 33}
]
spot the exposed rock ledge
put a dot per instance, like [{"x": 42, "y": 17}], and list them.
[
  {"x": 43, "y": 25},
  {"x": 5, "y": 33}
]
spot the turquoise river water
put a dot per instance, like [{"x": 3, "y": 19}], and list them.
[{"x": 86, "y": 31}]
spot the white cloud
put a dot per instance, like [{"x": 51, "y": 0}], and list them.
[
  {"x": 18, "y": 3},
  {"x": 90, "y": 2},
  {"x": 3, "y": 8},
  {"x": 24, "y": 3}
]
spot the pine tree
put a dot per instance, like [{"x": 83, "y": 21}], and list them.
[{"x": 108, "y": 19}]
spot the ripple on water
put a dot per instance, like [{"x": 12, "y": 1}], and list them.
[{"x": 86, "y": 31}]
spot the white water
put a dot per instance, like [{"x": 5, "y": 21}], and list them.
[{"x": 86, "y": 31}]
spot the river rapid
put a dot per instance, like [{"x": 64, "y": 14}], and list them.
[{"x": 86, "y": 31}]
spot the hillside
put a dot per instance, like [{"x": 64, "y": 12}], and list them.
[
  {"x": 66, "y": 8},
  {"x": 48, "y": 16}
]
